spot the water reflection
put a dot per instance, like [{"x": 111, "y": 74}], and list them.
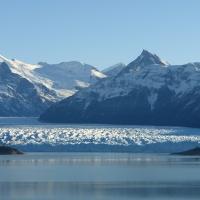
[
  {"x": 100, "y": 190},
  {"x": 100, "y": 176},
  {"x": 98, "y": 159}
]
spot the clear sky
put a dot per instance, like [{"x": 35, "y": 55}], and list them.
[{"x": 99, "y": 32}]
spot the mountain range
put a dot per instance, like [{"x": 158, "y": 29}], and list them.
[
  {"x": 28, "y": 90},
  {"x": 147, "y": 91}
]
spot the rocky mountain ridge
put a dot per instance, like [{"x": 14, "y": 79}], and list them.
[{"x": 148, "y": 91}]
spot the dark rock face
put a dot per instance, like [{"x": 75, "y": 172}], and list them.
[
  {"x": 146, "y": 92},
  {"x": 131, "y": 109},
  {"x": 191, "y": 152},
  {"x": 4, "y": 150}
]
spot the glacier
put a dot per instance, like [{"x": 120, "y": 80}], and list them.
[{"x": 98, "y": 138}]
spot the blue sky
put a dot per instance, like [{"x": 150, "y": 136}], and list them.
[{"x": 99, "y": 32}]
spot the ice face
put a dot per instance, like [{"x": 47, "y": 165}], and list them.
[{"x": 149, "y": 138}]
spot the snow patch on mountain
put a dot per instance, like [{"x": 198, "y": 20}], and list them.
[
  {"x": 98, "y": 74},
  {"x": 152, "y": 99}
]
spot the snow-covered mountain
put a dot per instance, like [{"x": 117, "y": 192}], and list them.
[
  {"x": 147, "y": 91},
  {"x": 27, "y": 90},
  {"x": 114, "y": 70},
  {"x": 19, "y": 97},
  {"x": 69, "y": 76}
]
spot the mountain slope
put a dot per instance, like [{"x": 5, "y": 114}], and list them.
[
  {"x": 69, "y": 76},
  {"x": 114, "y": 70},
  {"x": 27, "y": 90},
  {"x": 19, "y": 97},
  {"x": 147, "y": 91}
]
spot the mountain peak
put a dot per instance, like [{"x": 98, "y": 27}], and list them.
[
  {"x": 146, "y": 53},
  {"x": 147, "y": 58}
]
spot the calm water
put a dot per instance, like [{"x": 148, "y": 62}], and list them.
[
  {"x": 95, "y": 176},
  {"x": 91, "y": 176}
]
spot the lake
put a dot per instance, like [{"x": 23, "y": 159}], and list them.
[
  {"x": 101, "y": 171},
  {"x": 101, "y": 176}
]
